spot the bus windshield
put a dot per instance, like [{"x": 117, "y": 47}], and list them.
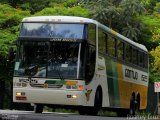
[
  {"x": 47, "y": 30},
  {"x": 49, "y": 59}
]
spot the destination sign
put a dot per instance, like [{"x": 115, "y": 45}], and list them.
[{"x": 65, "y": 40}]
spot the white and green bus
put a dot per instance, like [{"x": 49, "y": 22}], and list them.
[{"x": 78, "y": 63}]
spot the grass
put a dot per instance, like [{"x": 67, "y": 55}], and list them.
[{"x": 100, "y": 113}]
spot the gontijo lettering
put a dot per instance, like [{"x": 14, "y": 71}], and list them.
[{"x": 131, "y": 74}]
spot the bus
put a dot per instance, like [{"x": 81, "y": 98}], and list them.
[{"x": 78, "y": 63}]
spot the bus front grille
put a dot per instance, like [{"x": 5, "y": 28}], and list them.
[{"x": 45, "y": 86}]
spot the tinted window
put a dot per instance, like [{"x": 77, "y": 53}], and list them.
[
  {"x": 146, "y": 60},
  {"x": 52, "y": 30},
  {"x": 141, "y": 58},
  {"x": 101, "y": 41},
  {"x": 135, "y": 56},
  {"x": 90, "y": 62},
  {"x": 120, "y": 50},
  {"x": 92, "y": 34},
  {"x": 111, "y": 45},
  {"x": 128, "y": 53}
]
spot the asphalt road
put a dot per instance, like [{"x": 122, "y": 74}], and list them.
[{"x": 30, "y": 115}]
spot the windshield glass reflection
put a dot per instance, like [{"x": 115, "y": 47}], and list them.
[
  {"x": 63, "y": 59},
  {"x": 32, "y": 59},
  {"x": 50, "y": 59},
  {"x": 47, "y": 30}
]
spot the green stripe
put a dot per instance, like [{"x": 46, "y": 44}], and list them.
[
  {"x": 55, "y": 82},
  {"x": 115, "y": 83},
  {"x": 112, "y": 79}
]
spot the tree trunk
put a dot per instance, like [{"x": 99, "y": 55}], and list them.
[{"x": 2, "y": 89}]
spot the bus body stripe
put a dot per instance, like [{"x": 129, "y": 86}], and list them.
[
  {"x": 121, "y": 89},
  {"x": 115, "y": 83},
  {"x": 110, "y": 81}
]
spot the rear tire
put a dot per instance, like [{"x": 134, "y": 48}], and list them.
[
  {"x": 82, "y": 111},
  {"x": 122, "y": 113},
  {"x": 38, "y": 108},
  {"x": 134, "y": 106}
]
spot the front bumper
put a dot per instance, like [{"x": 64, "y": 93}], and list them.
[{"x": 50, "y": 96}]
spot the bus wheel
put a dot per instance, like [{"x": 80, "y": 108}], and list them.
[
  {"x": 82, "y": 111},
  {"x": 38, "y": 108},
  {"x": 122, "y": 113},
  {"x": 134, "y": 106},
  {"x": 97, "y": 103}
]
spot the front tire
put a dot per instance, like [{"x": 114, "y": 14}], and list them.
[
  {"x": 97, "y": 105},
  {"x": 38, "y": 108}
]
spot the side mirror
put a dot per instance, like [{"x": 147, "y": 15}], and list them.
[{"x": 11, "y": 55}]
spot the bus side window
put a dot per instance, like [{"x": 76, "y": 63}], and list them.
[
  {"x": 135, "y": 56},
  {"x": 101, "y": 41},
  {"x": 90, "y": 62},
  {"x": 120, "y": 50},
  {"x": 111, "y": 46},
  {"x": 145, "y": 60},
  {"x": 140, "y": 59},
  {"x": 92, "y": 34},
  {"x": 128, "y": 53}
]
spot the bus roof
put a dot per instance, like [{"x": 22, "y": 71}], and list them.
[
  {"x": 65, "y": 19},
  {"x": 73, "y": 19}
]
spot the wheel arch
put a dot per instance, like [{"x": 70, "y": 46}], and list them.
[
  {"x": 99, "y": 89},
  {"x": 138, "y": 98}
]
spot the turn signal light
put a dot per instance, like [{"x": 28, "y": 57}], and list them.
[
  {"x": 81, "y": 87},
  {"x": 71, "y": 82}
]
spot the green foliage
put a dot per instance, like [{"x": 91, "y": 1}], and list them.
[
  {"x": 104, "y": 11},
  {"x": 121, "y": 16},
  {"x": 151, "y": 38},
  {"x": 9, "y": 26},
  {"x": 157, "y": 8},
  {"x": 156, "y": 54},
  {"x": 9, "y": 29},
  {"x": 149, "y": 5},
  {"x": 150, "y": 21},
  {"x": 131, "y": 32},
  {"x": 132, "y": 8},
  {"x": 70, "y": 3},
  {"x": 155, "y": 64},
  {"x": 73, "y": 11}
]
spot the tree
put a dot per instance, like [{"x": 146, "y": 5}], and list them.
[
  {"x": 121, "y": 15},
  {"x": 149, "y": 5},
  {"x": 104, "y": 11},
  {"x": 157, "y": 10},
  {"x": 155, "y": 64},
  {"x": 9, "y": 27},
  {"x": 57, "y": 10}
]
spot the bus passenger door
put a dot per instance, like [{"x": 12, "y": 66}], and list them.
[
  {"x": 90, "y": 63},
  {"x": 101, "y": 78}
]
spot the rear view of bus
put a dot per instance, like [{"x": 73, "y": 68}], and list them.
[{"x": 51, "y": 62}]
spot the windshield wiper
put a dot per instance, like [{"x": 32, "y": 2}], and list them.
[{"x": 59, "y": 73}]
